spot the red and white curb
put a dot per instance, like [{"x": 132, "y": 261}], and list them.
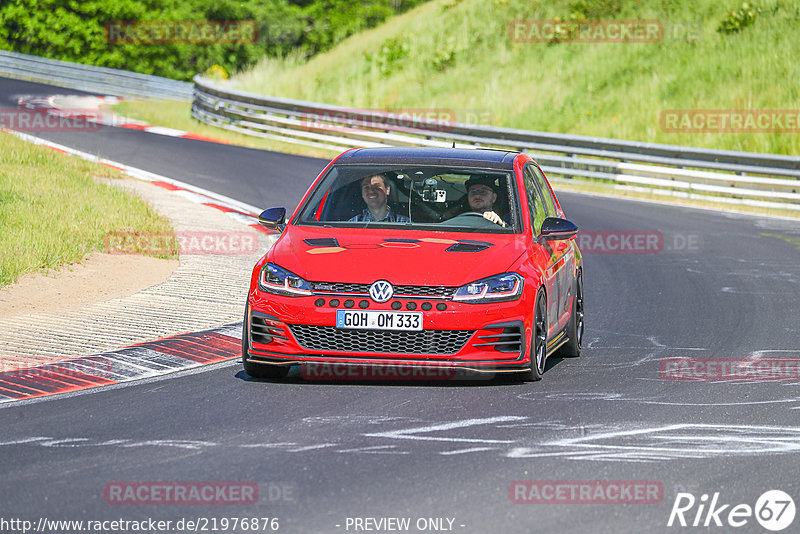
[
  {"x": 88, "y": 108},
  {"x": 143, "y": 360}
]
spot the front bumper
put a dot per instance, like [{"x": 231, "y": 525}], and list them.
[{"x": 474, "y": 337}]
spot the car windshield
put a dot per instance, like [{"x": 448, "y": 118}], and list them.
[{"x": 403, "y": 197}]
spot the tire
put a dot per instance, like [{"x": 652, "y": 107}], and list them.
[
  {"x": 259, "y": 370},
  {"x": 572, "y": 348},
  {"x": 538, "y": 345}
]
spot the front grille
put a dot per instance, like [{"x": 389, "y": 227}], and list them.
[
  {"x": 425, "y": 291},
  {"x": 424, "y": 342},
  {"x": 325, "y": 287},
  {"x": 335, "y": 288}
]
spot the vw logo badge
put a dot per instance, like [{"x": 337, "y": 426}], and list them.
[{"x": 381, "y": 291}]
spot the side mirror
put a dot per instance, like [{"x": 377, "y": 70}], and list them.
[
  {"x": 273, "y": 218},
  {"x": 557, "y": 229}
]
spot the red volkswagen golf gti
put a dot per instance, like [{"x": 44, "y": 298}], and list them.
[{"x": 418, "y": 257}]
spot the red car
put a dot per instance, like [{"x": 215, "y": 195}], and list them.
[{"x": 418, "y": 257}]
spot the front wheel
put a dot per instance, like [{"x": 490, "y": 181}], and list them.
[
  {"x": 538, "y": 347},
  {"x": 572, "y": 348}
]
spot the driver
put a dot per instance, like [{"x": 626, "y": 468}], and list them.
[
  {"x": 482, "y": 194},
  {"x": 375, "y": 191}
]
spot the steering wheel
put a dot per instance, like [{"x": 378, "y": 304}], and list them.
[{"x": 471, "y": 220}]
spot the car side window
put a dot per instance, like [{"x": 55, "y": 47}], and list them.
[
  {"x": 536, "y": 205},
  {"x": 549, "y": 200}
]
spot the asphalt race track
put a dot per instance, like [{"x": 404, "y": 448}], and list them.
[{"x": 721, "y": 286}]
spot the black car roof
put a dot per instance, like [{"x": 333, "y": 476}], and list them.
[{"x": 456, "y": 157}]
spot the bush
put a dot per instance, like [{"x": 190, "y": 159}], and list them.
[
  {"x": 73, "y": 30},
  {"x": 739, "y": 19},
  {"x": 388, "y": 56}
]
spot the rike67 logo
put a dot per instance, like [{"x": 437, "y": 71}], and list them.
[{"x": 774, "y": 510}]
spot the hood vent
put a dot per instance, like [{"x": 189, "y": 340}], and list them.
[
  {"x": 322, "y": 242},
  {"x": 468, "y": 246}
]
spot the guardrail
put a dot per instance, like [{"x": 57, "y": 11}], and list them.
[
  {"x": 90, "y": 78},
  {"x": 747, "y": 178}
]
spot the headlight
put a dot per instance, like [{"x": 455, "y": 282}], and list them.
[
  {"x": 497, "y": 288},
  {"x": 274, "y": 279}
]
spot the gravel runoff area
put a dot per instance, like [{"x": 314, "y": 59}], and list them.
[{"x": 206, "y": 290}]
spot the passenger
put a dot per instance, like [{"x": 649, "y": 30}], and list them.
[
  {"x": 375, "y": 192},
  {"x": 482, "y": 194}
]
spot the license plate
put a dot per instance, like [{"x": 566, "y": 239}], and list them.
[{"x": 378, "y": 320}]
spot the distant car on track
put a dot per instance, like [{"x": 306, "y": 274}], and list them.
[{"x": 385, "y": 262}]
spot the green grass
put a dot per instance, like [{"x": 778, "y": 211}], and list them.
[
  {"x": 457, "y": 55},
  {"x": 53, "y": 211}
]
